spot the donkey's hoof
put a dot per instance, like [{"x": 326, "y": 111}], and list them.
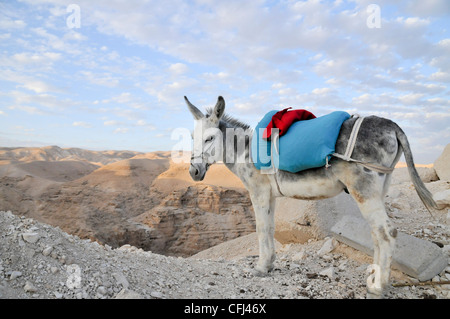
[
  {"x": 258, "y": 273},
  {"x": 374, "y": 295}
]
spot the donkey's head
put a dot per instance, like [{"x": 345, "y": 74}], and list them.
[{"x": 207, "y": 139}]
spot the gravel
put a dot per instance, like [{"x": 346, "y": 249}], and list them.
[{"x": 40, "y": 261}]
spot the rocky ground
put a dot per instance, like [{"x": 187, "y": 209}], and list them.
[{"x": 40, "y": 261}]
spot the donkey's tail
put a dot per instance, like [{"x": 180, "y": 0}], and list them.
[{"x": 424, "y": 194}]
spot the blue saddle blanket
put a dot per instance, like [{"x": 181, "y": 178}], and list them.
[{"x": 307, "y": 144}]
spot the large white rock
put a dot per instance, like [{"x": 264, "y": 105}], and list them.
[
  {"x": 442, "y": 199},
  {"x": 415, "y": 257},
  {"x": 442, "y": 165}
]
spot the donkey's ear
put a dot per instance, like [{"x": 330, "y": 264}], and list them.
[
  {"x": 219, "y": 109},
  {"x": 194, "y": 110}
]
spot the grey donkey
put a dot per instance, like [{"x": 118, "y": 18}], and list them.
[{"x": 220, "y": 137}]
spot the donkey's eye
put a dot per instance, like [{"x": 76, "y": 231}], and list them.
[{"x": 209, "y": 139}]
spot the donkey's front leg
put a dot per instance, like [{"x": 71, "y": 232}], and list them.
[{"x": 264, "y": 207}]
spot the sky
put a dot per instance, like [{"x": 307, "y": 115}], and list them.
[{"x": 111, "y": 75}]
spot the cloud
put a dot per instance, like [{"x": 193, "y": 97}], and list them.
[
  {"x": 82, "y": 124},
  {"x": 111, "y": 123},
  {"x": 121, "y": 130},
  {"x": 178, "y": 68},
  {"x": 9, "y": 19},
  {"x": 102, "y": 79},
  {"x": 28, "y": 82}
]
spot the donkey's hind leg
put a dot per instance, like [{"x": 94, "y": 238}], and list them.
[
  {"x": 368, "y": 192},
  {"x": 383, "y": 236}
]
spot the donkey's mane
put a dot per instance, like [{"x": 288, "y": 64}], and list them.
[{"x": 232, "y": 121}]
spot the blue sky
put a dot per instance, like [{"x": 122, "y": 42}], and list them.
[{"x": 118, "y": 81}]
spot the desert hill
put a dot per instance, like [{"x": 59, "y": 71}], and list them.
[{"x": 122, "y": 197}]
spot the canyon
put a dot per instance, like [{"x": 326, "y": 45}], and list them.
[{"x": 120, "y": 197}]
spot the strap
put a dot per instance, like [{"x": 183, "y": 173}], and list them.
[
  {"x": 275, "y": 146},
  {"x": 352, "y": 140},
  {"x": 372, "y": 167}
]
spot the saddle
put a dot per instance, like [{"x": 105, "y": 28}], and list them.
[{"x": 308, "y": 143}]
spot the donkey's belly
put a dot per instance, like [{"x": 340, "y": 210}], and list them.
[{"x": 308, "y": 185}]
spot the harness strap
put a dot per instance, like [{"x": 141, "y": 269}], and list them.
[
  {"x": 275, "y": 138},
  {"x": 352, "y": 141},
  {"x": 351, "y": 145}
]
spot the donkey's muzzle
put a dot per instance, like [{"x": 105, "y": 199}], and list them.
[{"x": 197, "y": 172}]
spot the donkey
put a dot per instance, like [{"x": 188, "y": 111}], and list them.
[{"x": 380, "y": 141}]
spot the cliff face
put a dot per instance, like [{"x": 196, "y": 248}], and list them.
[
  {"x": 198, "y": 217},
  {"x": 118, "y": 198}
]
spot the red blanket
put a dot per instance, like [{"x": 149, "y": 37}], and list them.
[{"x": 284, "y": 119}]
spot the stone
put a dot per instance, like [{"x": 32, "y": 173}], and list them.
[
  {"x": 441, "y": 165},
  {"x": 328, "y": 246},
  {"x": 328, "y": 272},
  {"x": 121, "y": 280},
  {"x": 47, "y": 250},
  {"x": 299, "y": 256},
  {"x": 31, "y": 237},
  {"x": 156, "y": 294},
  {"x": 102, "y": 290},
  {"x": 416, "y": 257},
  {"x": 442, "y": 199},
  {"x": 15, "y": 274},
  {"x": 29, "y": 287},
  {"x": 128, "y": 294}
]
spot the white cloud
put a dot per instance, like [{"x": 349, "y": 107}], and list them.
[
  {"x": 105, "y": 79},
  {"x": 34, "y": 58},
  {"x": 178, "y": 68},
  {"x": 440, "y": 76},
  {"x": 411, "y": 98},
  {"x": 82, "y": 124},
  {"x": 9, "y": 23},
  {"x": 321, "y": 91},
  {"x": 121, "y": 130},
  {"x": 111, "y": 123},
  {"x": 38, "y": 86}
]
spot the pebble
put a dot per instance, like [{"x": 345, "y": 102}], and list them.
[
  {"x": 328, "y": 246},
  {"x": 31, "y": 237},
  {"x": 156, "y": 294},
  {"x": 29, "y": 287},
  {"x": 15, "y": 274},
  {"x": 299, "y": 256},
  {"x": 47, "y": 250},
  {"x": 121, "y": 280},
  {"x": 128, "y": 294},
  {"x": 102, "y": 290},
  {"x": 328, "y": 272}
]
